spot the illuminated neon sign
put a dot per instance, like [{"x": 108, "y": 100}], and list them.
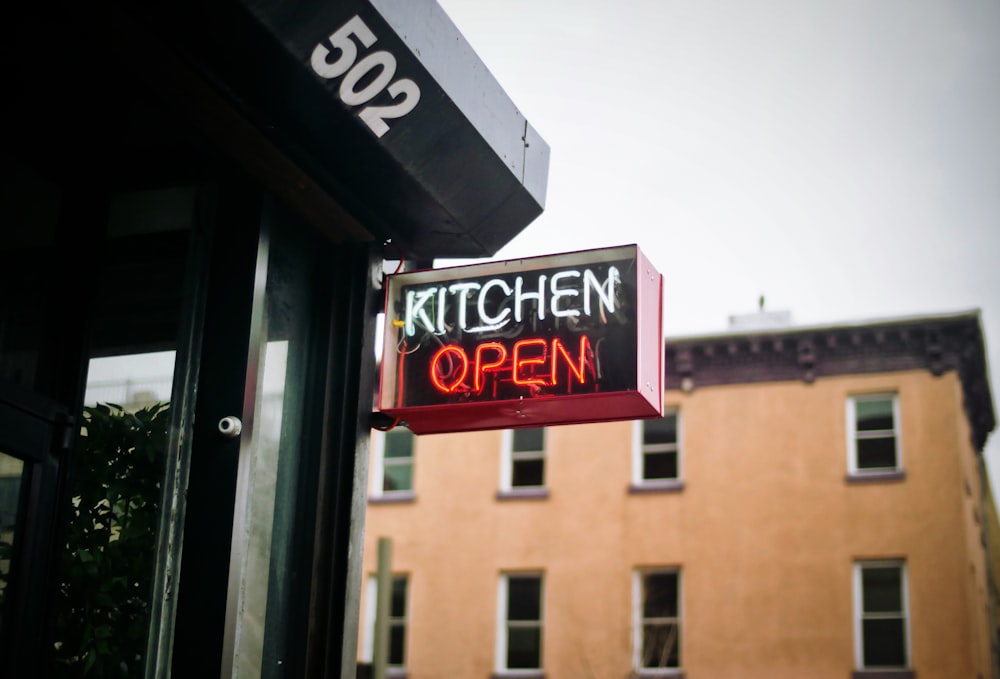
[{"x": 564, "y": 338}]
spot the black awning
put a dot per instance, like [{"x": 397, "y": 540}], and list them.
[{"x": 404, "y": 125}]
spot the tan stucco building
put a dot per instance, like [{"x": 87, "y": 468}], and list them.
[{"x": 814, "y": 504}]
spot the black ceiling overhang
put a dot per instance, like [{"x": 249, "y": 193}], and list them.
[{"x": 459, "y": 175}]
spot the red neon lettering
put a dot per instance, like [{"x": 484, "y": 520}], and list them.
[
  {"x": 481, "y": 367},
  {"x": 558, "y": 348},
  {"x": 437, "y": 372},
  {"x": 533, "y": 360}
]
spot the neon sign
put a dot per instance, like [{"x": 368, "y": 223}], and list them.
[{"x": 548, "y": 340}]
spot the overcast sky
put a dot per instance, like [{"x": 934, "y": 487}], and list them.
[{"x": 839, "y": 157}]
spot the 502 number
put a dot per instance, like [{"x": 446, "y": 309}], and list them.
[{"x": 376, "y": 68}]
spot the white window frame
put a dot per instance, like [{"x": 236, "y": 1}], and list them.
[
  {"x": 639, "y": 452},
  {"x": 378, "y": 462},
  {"x": 859, "y": 614},
  {"x": 368, "y": 620},
  {"x": 508, "y": 456},
  {"x": 852, "y": 434},
  {"x": 637, "y": 622},
  {"x": 503, "y": 625}
]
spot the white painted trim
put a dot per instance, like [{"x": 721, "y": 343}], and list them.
[
  {"x": 368, "y": 621},
  {"x": 506, "y": 443},
  {"x": 904, "y": 584},
  {"x": 500, "y": 647},
  {"x": 852, "y": 430},
  {"x": 507, "y": 456},
  {"x": 637, "y": 594},
  {"x": 377, "y": 467},
  {"x": 638, "y": 451}
]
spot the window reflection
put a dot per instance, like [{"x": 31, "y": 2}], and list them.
[{"x": 110, "y": 552}]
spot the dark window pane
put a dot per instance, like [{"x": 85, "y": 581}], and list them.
[
  {"x": 528, "y": 439},
  {"x": 527, "y": 472},
  {"x": 524, "y": 598},
  {"x": 399, "y": 443},
  {"x": 397, "y": 477},
  {"x": 884, "y": 643},
  {"x": 660, "y": 647},
  {"x": 660, "y": 595},
  {"x": 877, "y": 453},
  {"x": 882, "y": 590},
  {"x": 874, "y": 415},
  {"x": 659, "y": 466},
  {"x": 660, "y": 430},
  {"x": 524, "y": 648},
  {"x": 397, "y": 645},
  {"x": 397, "y": 608}
]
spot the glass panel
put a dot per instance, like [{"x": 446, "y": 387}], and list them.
[
  {"x": 660, "y": 647},
  {"x": 660, "y": 595},
  {"x": 110, "y": 556},
  {"x": 660, "y": 430},
  {"x": 528, "y": 472},
  {"x": 397, "y": 607},
  {"x": 882, "y": 588},
  {"x": 11, "y": 470},
  {"x": 659, "y": 466},
  {"x": 399, "y": 443},
  {"x": 524, "y": 648},
  {"x": 528, "y": 439},
  {"x": 397, "y": 476},
  {"x": 874, "y": 415},
  {"x": 281, "y": 457},
  {"x": 877, "y": 453},
  {"x": 884, "y": 643},
  {"x": 524, "y": 598},
  {"x": 397, "y": 645}
]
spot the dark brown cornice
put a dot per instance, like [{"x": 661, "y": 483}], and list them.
[{"x": 937, "y": 344}]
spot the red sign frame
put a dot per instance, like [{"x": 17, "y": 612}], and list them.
[{"x": 558, "y": 339}]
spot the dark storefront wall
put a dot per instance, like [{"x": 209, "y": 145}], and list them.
[{"x": 183, "y": 550}]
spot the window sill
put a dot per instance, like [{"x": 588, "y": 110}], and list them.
[
  {"x": 664, "y": 486},
  {"x": 876, "y": 476},
  {"x": 884, "y": 674},
  {"x": 523, "y": 494},
  {"x": 518, "y": 674},
  {"x": 650, "y": 673},
  {"x": 399, "y": 497}
]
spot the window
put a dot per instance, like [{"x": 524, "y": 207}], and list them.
[
  {"x": 656, "y": 457},
  {"x": 881, "y": 634},
  {"x": 873, "y": 434},
  {"x": 519, "y": 624},
  {"x": 392, "y": 462},
  {"x": 523, "y": 462},
  {"x": 398, "y": 609},
  {"x": 657, "y": 621}
]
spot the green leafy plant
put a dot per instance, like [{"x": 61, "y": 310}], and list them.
[{"x": 111, "y": 542}]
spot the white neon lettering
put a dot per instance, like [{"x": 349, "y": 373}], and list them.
[
  {"x": 492, "y": 322},
  {"x": 495, "y": 303},
  {"x": 520, "y": 296},
  {"x": 439, "y": 312},
  {"x": 459, "y": 290},
  {"x": 557, "y": 292},
  {"x": 415, "y": 302},
  {"x": 605, "y": 291}
]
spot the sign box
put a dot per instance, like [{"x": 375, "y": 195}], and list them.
[{"x": 559, "y": 339}]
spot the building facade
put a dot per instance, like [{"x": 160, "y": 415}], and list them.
[{"x": 813, "y": 504}]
